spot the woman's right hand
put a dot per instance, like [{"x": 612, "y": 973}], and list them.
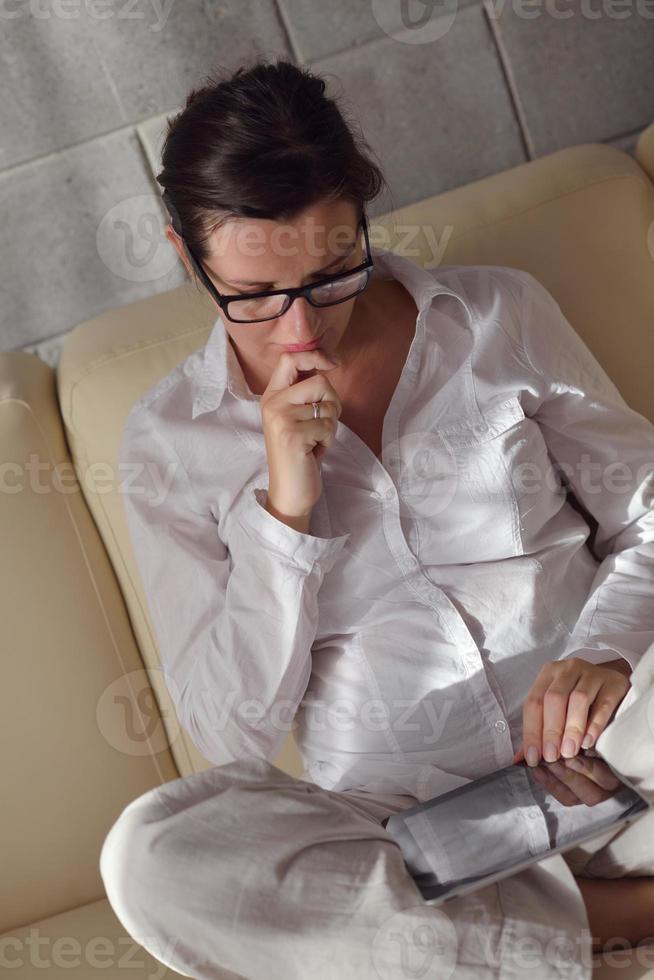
[{"x": 295, "y": 441}]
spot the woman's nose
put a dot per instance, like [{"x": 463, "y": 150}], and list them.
[{"x": 300, "y": 320}]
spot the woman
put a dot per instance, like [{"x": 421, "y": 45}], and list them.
[{"x": 342, "y": 548}]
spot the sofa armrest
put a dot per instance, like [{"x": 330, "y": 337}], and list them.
[{"x": 77, "y": 742}]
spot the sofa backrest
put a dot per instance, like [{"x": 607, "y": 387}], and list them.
[
  {"x": 105, "y": 366},
  {"x": 582, "y": 221},
  {"x": 577, "y": 219}
]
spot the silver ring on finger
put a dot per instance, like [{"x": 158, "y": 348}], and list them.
[{"x": 316, "y": 410}]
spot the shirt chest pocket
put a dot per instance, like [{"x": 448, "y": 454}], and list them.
[{"x": 458, "y": 495}]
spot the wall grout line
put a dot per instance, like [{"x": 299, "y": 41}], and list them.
[
  {"x": 512, "y": 87},
  {"x": 124, "y": 127},
  {"x": 287, "y": 28},
  {"x": 627, "y": 134}
]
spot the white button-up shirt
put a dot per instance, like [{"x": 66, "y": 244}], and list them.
[{"x": 398, "y": 638}]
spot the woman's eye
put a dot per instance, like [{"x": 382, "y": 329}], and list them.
[{"x": 251, "y": 292}]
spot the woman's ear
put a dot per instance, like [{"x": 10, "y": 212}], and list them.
[
  {"x": 172, "y": 236},
  {"x": 176, "y": 241}
]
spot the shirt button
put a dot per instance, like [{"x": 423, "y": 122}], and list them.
[
  {"x": 500, "y": 726},
  {"x": 534, "y": 814},
  {"x": 390, "y": 493}
]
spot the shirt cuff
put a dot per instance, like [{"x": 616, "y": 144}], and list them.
[
  {"x": 599, "y": 656},
  {"x": 302, "y": 549}
]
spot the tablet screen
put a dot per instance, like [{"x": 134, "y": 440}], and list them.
[{"x": 493, "y": 824}]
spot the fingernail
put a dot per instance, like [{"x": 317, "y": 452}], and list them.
[
  {"x": 550, "y": 753},
  {"x": 576, "y": 764},
  {"x": 532, "y": 756},
  {"x": 587, "y": 742},
  {"x": 568, "y": 748}
]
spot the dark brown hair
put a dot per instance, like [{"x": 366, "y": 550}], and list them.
[{"x": 265, "y": 142}]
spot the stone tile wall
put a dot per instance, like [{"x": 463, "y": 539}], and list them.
[{"x": 445, "y": 93}]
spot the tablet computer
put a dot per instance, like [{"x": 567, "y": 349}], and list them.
[{"x": 497, "y": 825}]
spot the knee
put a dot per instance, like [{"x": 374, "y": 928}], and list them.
[{"x": 126, "y": 857}]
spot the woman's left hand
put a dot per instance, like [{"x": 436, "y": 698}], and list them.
[{"x": 569, "y": 705}]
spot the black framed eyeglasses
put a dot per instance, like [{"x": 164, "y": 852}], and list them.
[{"x": 268, "y": 304}]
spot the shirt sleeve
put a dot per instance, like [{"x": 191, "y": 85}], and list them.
[
  {"x": 605, "y": 451},
  {"x": 234, "y": 626},
  {"x": 626, "y": 742}
]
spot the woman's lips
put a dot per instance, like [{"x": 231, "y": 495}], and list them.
[{"x": 296, "y": 347}]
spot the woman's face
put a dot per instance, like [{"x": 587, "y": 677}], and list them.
[{"x": 252, "y": 254}]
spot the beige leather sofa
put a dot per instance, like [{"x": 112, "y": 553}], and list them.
[{"x": 87, "y": 724}]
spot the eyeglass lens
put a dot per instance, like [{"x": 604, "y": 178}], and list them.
[{"x": 326, "y": 294}]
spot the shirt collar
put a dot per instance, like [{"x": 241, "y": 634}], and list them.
[{"x": 220, "y": 369}]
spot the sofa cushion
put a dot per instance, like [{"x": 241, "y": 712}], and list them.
[{"x": 84, "y": 942}]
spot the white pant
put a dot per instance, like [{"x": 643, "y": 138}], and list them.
[{"x": 244, "y": 871}]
